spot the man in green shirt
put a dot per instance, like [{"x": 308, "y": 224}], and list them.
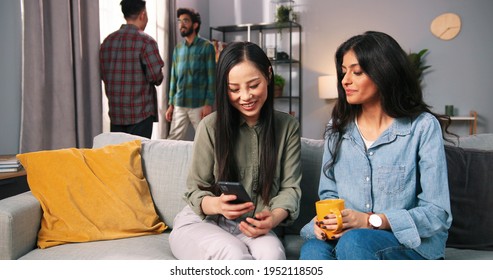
[{"x": 191, "y": 90}]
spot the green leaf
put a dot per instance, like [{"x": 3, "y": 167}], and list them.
[{"x": 418, "y": 63}]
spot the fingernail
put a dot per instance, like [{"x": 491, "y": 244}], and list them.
[{"x": 326, "y": 217}]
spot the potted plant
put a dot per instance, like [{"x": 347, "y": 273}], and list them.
[
  {"x": 417, "y": 61},
  {"x": 279, "y": 82},
  {"x": 282, "y": 13}
]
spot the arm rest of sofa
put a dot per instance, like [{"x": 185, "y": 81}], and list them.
[{"x": 20, "y": 220}]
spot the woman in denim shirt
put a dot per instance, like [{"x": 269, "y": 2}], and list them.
[{"x": 384, "y": 156}]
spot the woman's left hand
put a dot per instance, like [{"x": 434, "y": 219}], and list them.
[
  {"x": 352, "y": 219},
  {"x": 263, "y": 222}
]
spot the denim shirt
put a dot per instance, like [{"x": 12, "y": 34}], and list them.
[{"x": 403, "y": 175}]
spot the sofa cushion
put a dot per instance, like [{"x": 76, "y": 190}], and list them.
[
  {"x": 91, "y": 194},
  {"x": 166, "y": 164},
  {"x": 471, "y": 195},
  {"x": 149, "y": 247},
  {"x": 482, "y": 141}
]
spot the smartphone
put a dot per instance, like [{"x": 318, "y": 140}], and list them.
[{"x": 237, "y": 189}]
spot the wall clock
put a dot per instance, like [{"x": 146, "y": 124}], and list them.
[{"x": 446, "y": 26}]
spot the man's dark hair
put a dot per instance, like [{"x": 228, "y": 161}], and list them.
[
  {"x": 132, "y": 8},
  {"x": 194, "y": 16}
]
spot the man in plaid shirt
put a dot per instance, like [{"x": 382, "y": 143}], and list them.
[
  {"x": 191, "y": 88},
  {"x": 131, "y": 67}
]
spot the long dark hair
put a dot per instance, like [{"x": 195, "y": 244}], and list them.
[
  {"x": 388, "y": 66},
  {"x": 228, "y": 117}
]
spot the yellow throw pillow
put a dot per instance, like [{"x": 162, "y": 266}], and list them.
[{"x": 91, "y": 194}]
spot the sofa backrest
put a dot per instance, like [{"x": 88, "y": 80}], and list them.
[
  {"x": 470, "y": 177},
  {"x": 165, "y": 164},
  {"x": 483, "y": 141}
]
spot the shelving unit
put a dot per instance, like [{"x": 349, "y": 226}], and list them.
[
  {"x": 283, "y": 37},
  {"x": 472, "y": 119}
]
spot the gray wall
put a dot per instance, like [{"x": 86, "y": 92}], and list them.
[
  {"x": 461, "y": 68},
  {"x": 10, "y": 75}
]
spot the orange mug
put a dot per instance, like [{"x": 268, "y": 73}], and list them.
[{"x": 330, "y": 206}]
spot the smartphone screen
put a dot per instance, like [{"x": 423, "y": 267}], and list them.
[{"x": 237, "y": 189}]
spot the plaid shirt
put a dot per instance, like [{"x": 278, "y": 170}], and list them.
[
  {"x": 192, "y": 74},
  {"x": 131, "y": 67}
]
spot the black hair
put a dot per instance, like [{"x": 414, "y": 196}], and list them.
[
  {"x": 132, "y": 8},
  {"x": 388, "y": 66},
  {"x": 228, "y": 117}
]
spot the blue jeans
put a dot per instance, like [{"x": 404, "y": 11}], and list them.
[{"x": 359, "y": 244}]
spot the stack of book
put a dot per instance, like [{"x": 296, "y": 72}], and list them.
[{"x": 9, "y": 163}]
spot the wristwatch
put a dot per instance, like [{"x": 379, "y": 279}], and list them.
[{"x": 375, "y": 221}]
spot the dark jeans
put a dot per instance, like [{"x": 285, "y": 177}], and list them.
[
  {"x": 359, "y": 244},
  {"x": 143, "y": 128}
]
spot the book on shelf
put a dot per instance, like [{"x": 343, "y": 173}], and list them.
[
  {"x": 9, "y": 163},
  {"x": 10, "y": 169},
  {"x": 8, "y": 160}
]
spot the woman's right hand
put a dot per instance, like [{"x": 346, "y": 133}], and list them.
[
  {"x": 319, "y": 233},
  {"x": 222, "y": 205}
]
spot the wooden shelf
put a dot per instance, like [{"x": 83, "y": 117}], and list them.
[
  {"x": 7, "y": 175},
  {"x": 472, "y": 119}
]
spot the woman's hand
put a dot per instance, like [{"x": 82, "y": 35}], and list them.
[
  {"x": 319, "y": 233},
  {"x": 263, "y": 222},
  {"x": 350, "y": 219},
  {"x": 222, "y": 205}
]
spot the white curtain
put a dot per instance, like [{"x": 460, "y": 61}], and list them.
[
  {"x": 61, "y": 89},
  {"x": 161, "y": 26}
]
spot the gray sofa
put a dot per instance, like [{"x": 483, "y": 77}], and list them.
[{"x": 166, "y": 165}]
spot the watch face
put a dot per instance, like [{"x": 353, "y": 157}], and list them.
[{"x": 375, "y": 220}]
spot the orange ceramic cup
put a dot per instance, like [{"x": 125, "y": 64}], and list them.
[{"x": 330, "y": 206}]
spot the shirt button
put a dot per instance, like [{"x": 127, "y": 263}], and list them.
[
  {"x": 367, "y": 206},
  {"x": 371, "y": 153},
  {"x": 367, "y": 179}
]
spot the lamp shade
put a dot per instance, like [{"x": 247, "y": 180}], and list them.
[{"x": 327, "y": 87}]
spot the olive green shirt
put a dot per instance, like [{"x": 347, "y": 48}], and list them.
[{"x": 285, "y": 192}]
